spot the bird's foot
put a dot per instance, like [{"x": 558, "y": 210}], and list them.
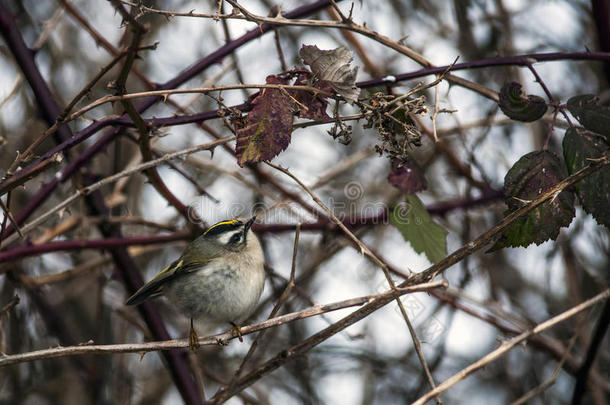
[
  {"x": 193, "y": 339},
  {"x": 236, "y": 329}
]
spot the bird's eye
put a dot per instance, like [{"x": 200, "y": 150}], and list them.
[{"x": 235, "y": 238}]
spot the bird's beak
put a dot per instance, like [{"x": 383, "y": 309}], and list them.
[{"x": 249, "y": 224}]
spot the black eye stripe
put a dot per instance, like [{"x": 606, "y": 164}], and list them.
[{"x": 235, "y": 238}]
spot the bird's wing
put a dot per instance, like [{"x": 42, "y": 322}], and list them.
[{"x": 155, "y": 286}]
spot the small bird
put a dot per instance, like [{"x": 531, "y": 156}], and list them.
[{"x": 219, "y": 277}]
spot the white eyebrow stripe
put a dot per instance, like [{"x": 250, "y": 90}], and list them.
[{"x": 226, "y": 237}]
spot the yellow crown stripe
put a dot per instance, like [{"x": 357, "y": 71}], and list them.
[{"x": 230, "y": 222}]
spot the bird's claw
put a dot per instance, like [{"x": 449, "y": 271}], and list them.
[
  {"x": 193, "y": 339},
  {"x": 236, "y": 330}
]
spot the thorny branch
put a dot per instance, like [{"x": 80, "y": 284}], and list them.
[
  {"x": 327, "y": 224},
  {"x": 41, "y": 163},
  {"x": 142, "y": 348},
  {"x": 508, "y": 345},
  {"x": 110, "y": 179},
  {"x": 366, "y": 251}
]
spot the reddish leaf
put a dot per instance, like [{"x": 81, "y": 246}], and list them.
[
  {"x": 311, "y": 105},
  {"x": 268, "y": 127},
  {"x": 407, "y": 176}
]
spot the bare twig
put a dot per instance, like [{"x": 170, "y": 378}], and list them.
[
  {"x": 142, "y": 9},
  {"x": 469, "y": 248},
  {"x": 419, "y": 352},
  {"x": 22, "y": 251},
  {"x": 203, "y": 90},
  {"x": 338, "y": 11},
  {"x": 549, "y": 381},
  {"x": 234, "y": 58},
  {"x": 362, "y": 52},
  {"x": 9, "y": 305},
  {"x": 596, "y": 341},
  {"x": 61, "y": 119},
  {"x": 32, "y": 171},
  {"x": 10, "y": 215},
  {"x": 110, "y": 179},
  {"x": 365, "y": 250},
  {"x": 209, "y": 340},
  {"x": 25, "y": 58},
  {"x": 488, "y": 236},
  {"x": 59, "y": 229},
  {"x": 363, "y": 30},
  {"x": 508, "y": 345},
  {"x": 518, "y": 60},
  {"x": 4, "y": 218},
  {"x": 546, "y": 90},
  {"x": 509, "y": 324},
  {"x": 435, "y": 113},
  {"x": 83, "y": 269},
  {"x": 91, "y": 266}
]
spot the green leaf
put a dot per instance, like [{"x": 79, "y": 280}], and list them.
[
  {"x": 531, "y": 176},
  {"x": 591, "y": 114},
  {"x": 414, "y": 223},
  {"x": 268, "y": 128},
  {"x": 519, "y": 107},
  {"x": 594, "y": 190}
]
